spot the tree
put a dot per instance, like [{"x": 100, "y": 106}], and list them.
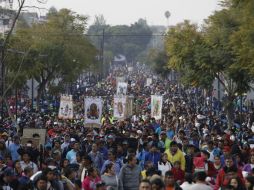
[
  {"x": 61, "y": 50},
  {"x": 121, "y": 39},
  {"x": 202, "y": 55},
  {"x": 4, "y": 44}
]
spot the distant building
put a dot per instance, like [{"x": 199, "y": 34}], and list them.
[
  {"x": 6, "y": 20},
  {"x": 7, "y": 4},
  {"x": 30, "y": 17}
]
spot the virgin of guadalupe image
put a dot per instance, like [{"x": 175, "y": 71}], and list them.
[
  {"x": 156, "y": 108},
  {"x": 66, "y": 110},
  {"x": 93, "y": 112},
  {"x": 120, "y": 108}
]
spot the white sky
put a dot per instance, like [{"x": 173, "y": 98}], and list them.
[{"x": 118, "y": 12}]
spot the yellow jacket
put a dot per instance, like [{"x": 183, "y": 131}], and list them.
[{"x": 178, "y": 156}]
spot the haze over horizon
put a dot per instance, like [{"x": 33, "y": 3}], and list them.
[{"x": 122, "y": 12}]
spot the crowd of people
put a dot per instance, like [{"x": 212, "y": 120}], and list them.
[{"x": 190, "y": 148}]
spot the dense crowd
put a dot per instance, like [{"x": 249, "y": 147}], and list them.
[{"x": 191, "y": 147}]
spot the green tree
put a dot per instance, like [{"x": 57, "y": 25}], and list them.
[
  {"x": 203, "y": 55},
  {"x": 60, "y": 49},
  {"x": 121, "y": 39}
]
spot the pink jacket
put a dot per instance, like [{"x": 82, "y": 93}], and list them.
[{"x": 90, "y": 183}]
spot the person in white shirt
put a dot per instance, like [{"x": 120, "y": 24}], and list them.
[
  {"x": 200, "y": 178},
  {"x": 25, "y": 162},
  {"x": 187, "y": 184},
  {"x": 164, "y": 165}
]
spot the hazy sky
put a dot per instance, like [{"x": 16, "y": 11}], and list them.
[{"x": 128, "y": 11}]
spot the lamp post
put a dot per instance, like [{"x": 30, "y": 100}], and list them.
[{"x": 2, "y": 78}]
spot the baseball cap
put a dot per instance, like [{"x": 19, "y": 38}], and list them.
[
  {"x": 110, "y": 137},
  {"x": 8, "y": 172}
]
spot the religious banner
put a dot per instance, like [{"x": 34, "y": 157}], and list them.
[
  {"x": 66, "y": 107},
  {"x": 120, "y": 107},
  {"x": 149, "y": 81},
  {"x": 129, "y": 106},
  {"x": 121, "y": 88},
  {"x": 156, "y": 106},
  {"x": 93, "y": 110}
]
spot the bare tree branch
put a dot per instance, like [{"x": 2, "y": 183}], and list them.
[
  {"x": 19, "y": 3},
  {"x": 16, "y": 75},
  {"x": 42, "y": 2},
  {"x": 13, "y": 24},
  {"x": 36, "y": 7}
]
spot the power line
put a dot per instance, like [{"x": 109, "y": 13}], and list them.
[{"x": 107, "y": 35}]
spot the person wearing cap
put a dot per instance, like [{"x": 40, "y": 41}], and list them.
[
  {"x": 175, "y": 154},
  {"x": 8, "y": 180},
  {"x": 110, "y": 142},
  {"x": 71, "y": 155}
]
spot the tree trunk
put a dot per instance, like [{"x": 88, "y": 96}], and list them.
[
  {"x": 229, "y": 109},
  {"x": 40, "y": 90}
]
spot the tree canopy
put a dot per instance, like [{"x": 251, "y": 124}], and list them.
[
  {"x": 222, "y": 49},
  {"x": 54, "y": 49},
  {"x": 121, "y": 39}
]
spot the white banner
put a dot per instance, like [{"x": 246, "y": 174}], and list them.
[
  {"x": 93, "y": 110},
  {"x": 149, "y": 81},
  {"x": 156, "y": 106},
  {"x": 121, "y": 88},
  {"x": 120, "y": 107},
  {"x": 66, "y": 107}
]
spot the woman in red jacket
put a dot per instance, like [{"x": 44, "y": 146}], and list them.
[
  {"x": 91, "y": 180},
  {"x": 228, "y": 172}
]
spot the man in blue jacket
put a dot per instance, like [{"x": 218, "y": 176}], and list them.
[{"x": 153, "y": 155}]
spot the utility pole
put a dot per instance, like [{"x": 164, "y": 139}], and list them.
[
  {"x": 32, "y": 86},
  {"x": 102, "y": 53},
  {"x": 2, "y": 78}
]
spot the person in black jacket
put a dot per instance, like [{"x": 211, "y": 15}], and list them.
[
  {"x": 189, "y": 158},
  {"x": 8, "y": 180}
]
